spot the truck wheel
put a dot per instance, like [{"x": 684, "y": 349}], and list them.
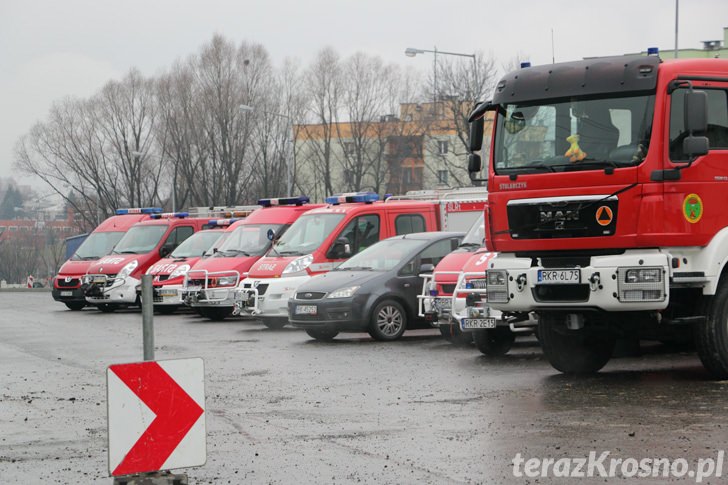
[
  {"x": 494, "y": 341},
  {"x": 274, "y": 323},
  {"x": 107, "y": 307},
  {"x": 452, "y": 333},
  {"x": 388, "y": 321},
  {"x": 573, "y": 351},
  {"x": 75, "y": 305},
  {"x": 218, "y": 314},
  {"x": 711, "y": 336},
  {"x": 322, "y": 334}
]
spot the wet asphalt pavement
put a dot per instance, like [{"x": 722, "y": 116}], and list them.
[{"x": 282, "y": 408}]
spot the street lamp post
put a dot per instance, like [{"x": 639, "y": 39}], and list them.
[
  {"x": 291, "y": 141},
  {"x": 412, "y": 52}
]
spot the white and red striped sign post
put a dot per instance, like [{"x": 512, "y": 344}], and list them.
[{"x": 156, "y": 416}]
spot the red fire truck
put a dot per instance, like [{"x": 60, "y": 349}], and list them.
[
  {"x": 607, "y": 184},
  {"x": 112, "y": 281},
  {"x": 210, "y": 284},
  {"x": 67, "y": 283},
  {"x": 322, "y": 238}
]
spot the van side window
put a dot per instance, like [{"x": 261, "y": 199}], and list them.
[
  {"x": 717, "y": 132},
  {"x": 409, "y": 223},
  {"x": 361, "y": 232},
  {"x": 178, "y": 235}
]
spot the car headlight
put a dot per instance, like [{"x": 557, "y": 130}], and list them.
[
  {"x": 180, "y": 270},
  {"x": 226, "y": 280},
  {"x": 299, "y": 264},
  {"x": 343, "y": 292},
  {"x": 126, "y": 270}
]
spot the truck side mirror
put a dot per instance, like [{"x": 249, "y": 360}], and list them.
[
  {"x": 696, "y": 120},
  {"x": 475, "y": 164},
  {"x": 476, "y": 134}
]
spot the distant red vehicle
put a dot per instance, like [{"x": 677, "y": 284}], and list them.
[
  {"x": 67, "y": 283},
  {"x": 169, "y": 273},
  {"x": 112, "y": 281},
  {"x": 211, "y": 283}
]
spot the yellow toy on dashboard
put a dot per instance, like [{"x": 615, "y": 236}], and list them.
[{"x": 574, "y": 153}]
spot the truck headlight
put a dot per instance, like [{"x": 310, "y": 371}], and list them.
[
  {"x": 496, "y": 277},
  {"x": 180, "y": 270},
  {"x": 496, "y": 281},
  {"x": 127, "y": 270},
  {"x": 227, "y": 281},
  {"x": 347, "y": 292},
  {"x": 299, "y": 264},
  {"x": 643, "y": 275}
]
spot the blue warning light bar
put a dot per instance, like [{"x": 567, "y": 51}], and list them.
[
  {"x": 138, "y": 210},
  {"x": 353, "y": 197}
]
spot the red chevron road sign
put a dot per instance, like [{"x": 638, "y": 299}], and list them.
[{"x": 156, "y": 416}]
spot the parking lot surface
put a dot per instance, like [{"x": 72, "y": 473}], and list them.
[{"x": 282, "y": 408}]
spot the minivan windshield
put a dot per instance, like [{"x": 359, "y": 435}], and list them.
[
  {"x": 140, "y": 239},
  {"x": 196, "y": 245},
  {"x": 476, "y": 234},
  {"x": 382, "y": 256},
  {"x": 581, "y": 133},
  {"x": 97, "y": 244},
  {"x": 247, "y": 240},
  {"x": 307, "y": 234}
]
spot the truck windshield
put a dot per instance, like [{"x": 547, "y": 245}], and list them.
[
  {"x": 476, "y": 234},
  {"x": 307, "y": 234},
  {"x": 97, "y": 244},
  {"x": 573, "y": 134},
  {"x": 247, "y": 240},
  {"x": 196, "y": 245},
  {"x": 140, "y": 239}
]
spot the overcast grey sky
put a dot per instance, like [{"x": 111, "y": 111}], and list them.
[{"x": 53, "y": 48}]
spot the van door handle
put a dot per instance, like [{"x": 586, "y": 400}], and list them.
[{"x": 407, "y": 285}]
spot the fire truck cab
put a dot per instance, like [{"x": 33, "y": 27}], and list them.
[
  {"x": 67, "y": 283},
  {"x": 607, "y": 187}
]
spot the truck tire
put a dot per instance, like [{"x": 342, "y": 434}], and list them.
[
  {"x": 494, "y": 342},
  {"x": 452, "y": 333},
  {"x": 107, "y": 307},
  {"x": 75, "y": 305},
  {"x": 165, "y": 309},
  {"x": 711, "y": 336},
  {"x": 573, "y": 351}
]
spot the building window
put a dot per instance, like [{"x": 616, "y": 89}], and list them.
[
  {"x": 442, "y": 176},
  {"x": 442, "y": 147},
  {"x": 349, "y": 148}
]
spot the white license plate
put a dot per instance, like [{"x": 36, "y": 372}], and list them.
[
  {"x": 559, "y": 276},
  {"x": 167, "y": 293},
  {"x": 193, "y": 288},
  {"x": 66, "y": 293},
  {"x": 98, "y": 279},
  {"x": 473, "y": 323},
  {"x": 306, "y": 309}
]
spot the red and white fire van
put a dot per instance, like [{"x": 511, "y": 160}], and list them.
[{"x": 67, "y": 283}]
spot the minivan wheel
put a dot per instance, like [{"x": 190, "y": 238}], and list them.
[
  {"x": 452, "y": 333},
  {"x": 388, "y": 321},
  {"x": 274, "y": 323},
  {"x": 75, "y": 305},
  {"x": 322, "y": 334},
  {"x": 218, "y": 314},
  {"x": 107, "y": 307}
]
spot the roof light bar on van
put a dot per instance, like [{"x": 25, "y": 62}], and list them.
[
  {"x": 365, "y": 197},
  {"x": 300, "y": 200},
  {"x": 237, "y": 214},
  {"x": 138, "y": 210},
  {"x": 223, "y": 222},
  {"x": 168, "y": 215}
]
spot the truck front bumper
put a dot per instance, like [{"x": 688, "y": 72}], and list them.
[
  {"x": 102, "y": 289},
  {"x": 267, "y": 297},
  {"x": 637, "y": 280}
]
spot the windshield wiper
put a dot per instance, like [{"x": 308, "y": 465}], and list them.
[
  {"x": 535, "y": 164},
  {"x": 125, "y": 252},
  {"x": 469, "y": 245},
  {"x": 290, "y": 253},
  {"x": 355, "y": 268}
]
